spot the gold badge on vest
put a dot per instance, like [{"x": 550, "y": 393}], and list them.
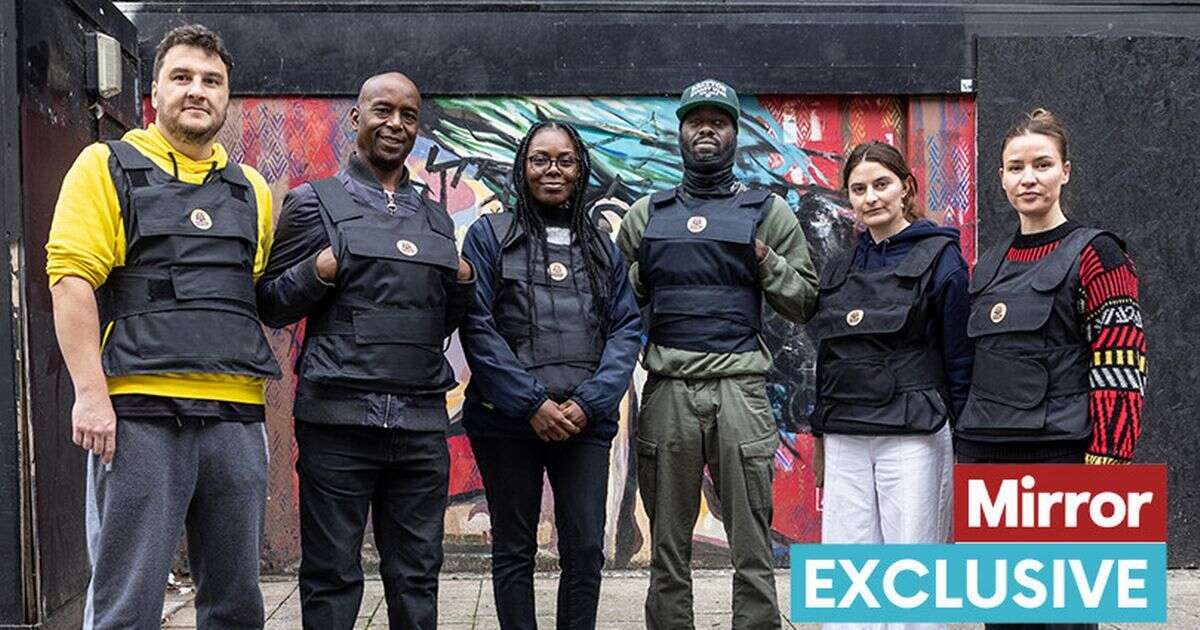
[
  {"x": 854, "y": 317},
  {"x": 557, "y": 271},
  {"x": 200, "y": 219},
  {"x": 696, "y": 224},
  {"x": 407, "y": 247},
  {"x": 998, "y": 312}
]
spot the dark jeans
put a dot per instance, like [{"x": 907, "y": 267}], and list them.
[
  {"x": 1073, "y": 458},
  {"x": 512, "y": 471},
  {"x": 403, "y": 477}
]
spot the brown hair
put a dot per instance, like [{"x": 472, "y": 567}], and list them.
[
  {"x": 892, "y": 159},
  {"x": 196, "y": 35},
  {"x": 1041, "y": 121}
]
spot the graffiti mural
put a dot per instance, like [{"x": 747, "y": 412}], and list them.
[{"x": 791, "y": 145}]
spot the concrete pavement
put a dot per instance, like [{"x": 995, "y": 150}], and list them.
[{"x": 465, "y": 602}]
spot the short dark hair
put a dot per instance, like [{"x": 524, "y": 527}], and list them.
[{"x": 196, "y": 35}]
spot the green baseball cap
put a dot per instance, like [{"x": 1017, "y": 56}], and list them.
[{"x": 708, "y": 92}]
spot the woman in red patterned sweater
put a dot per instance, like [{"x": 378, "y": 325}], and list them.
[{"x": 1060, "y": 365}]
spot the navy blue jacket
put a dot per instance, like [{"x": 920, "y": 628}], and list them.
[
  {"x": 502, "y": 396},
  {"x": 949, "y": 292}
]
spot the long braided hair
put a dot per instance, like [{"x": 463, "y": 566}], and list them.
[{"x": 585, "y": 234}]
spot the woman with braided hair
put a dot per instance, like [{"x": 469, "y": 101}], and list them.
[{"x": 551, "y": 343}]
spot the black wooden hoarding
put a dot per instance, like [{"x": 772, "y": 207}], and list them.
[
  {"x": 1131, "y": 106},
  {"x": 12, "y": 547},
  {"x": 633, "y": 48},
  {"x": 47, "y": 118}
]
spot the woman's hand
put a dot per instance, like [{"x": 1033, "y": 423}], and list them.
[
  {"x": 550, "y": 424},
  {"x": 574, "y": 413}
]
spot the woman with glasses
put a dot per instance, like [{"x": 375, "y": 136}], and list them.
[{"x": 551, "y": 343}]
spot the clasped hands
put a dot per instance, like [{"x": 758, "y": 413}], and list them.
[{"x": 553, "y": 422}]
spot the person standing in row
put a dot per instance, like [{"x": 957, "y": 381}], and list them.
[
  {"x": 893, "y": 364},
  {"x": 373, "y": 266},
  {"x": 1060, "y": 363},
  {"x": 153, "y": 252},
  {"x": 551, "y": 343},
  {"x": 704, "y": 256}
]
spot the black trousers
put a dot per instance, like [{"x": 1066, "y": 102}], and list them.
[
  {"x": 512, "y": 472},
  {"x": 1073, "y": 458},
  {"x": 403, "y": 477}
]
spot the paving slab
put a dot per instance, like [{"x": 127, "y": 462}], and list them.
[{"x": 465, "y": 602}]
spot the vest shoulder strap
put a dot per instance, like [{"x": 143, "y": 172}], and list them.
[
  {"x": 988, "y": 264},
  {"x": 129, "y": 158},
  {"x": 922, "y": 256},
  {"x": 505, "y": 227},
  {"x": 753, "y": 197},
  {"x": 1055, "y": 267},
  {"x": 835, "y": 270},
  {"x": 663, "y": 197},
  {"x": 233, "y": 174},
  {"x": 128, "y": 170},
  {"x": 239, "y": 186},
  {"x": 335, "y": 205},
  {"x": 335, "y": 201},
  {"x": 439, "y": 220}
]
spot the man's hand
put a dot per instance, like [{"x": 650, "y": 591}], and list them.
[
  {"x": 760, "y": 250},
  {"x": 94, "y": 425},
  {"x": 550, "y": 424},
  {"x": 574, "y": 413},
  {"x": 464, "y": 270},
  {"x": 326, "y": 265},
  {"x": 818, "y": 462}
]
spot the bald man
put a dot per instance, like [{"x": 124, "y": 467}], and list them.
[{"x": 373, "y": 266}]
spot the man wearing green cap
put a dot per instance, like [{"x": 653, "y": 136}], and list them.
[{"x": 703, "y": 257}]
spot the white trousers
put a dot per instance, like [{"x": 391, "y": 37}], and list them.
[{"x": 891, "y": 489}]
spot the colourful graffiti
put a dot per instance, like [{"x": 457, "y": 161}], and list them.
[{"x": 791, "y": 145}]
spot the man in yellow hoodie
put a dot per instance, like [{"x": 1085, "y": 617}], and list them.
[{"x": 155, "y": 246}]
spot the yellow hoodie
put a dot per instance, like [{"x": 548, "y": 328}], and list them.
[{"x": 87, "y": 239}]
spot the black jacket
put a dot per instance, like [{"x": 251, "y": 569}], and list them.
[
  {"x": 503, "y": 394},
  {"x": 290, "y": 289}
]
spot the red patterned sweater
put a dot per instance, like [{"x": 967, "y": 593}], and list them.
[{"x": 1107, "y": 306}]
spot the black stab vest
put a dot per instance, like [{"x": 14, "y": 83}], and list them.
[
  {"x": 384, "y": 327},
  {"x": 1030, "y": 379},
  {"x": 184, "y": 301},
  {"x": 877, "y": 370},
  {"x": 561, "y": 344},
  {"x": 697, "y": 264}
]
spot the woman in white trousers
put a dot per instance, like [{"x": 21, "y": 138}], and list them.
[{"x": 893, "y": 364}]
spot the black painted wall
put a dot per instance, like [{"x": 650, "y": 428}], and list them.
[
  {"x": 557, "y": 47},
  {"x": 55, "y": 124},
  {"x": 12, "y": 588},
  {"x": 1131, "y": 106}
]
